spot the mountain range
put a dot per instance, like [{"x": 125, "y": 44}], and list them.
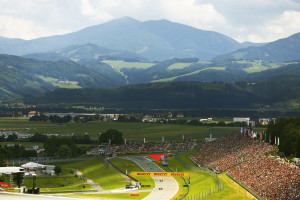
[
  {"x": 283, "y": 50},
  {"x": 154, "y": 40},
  {"x": 126, "y": 51}
]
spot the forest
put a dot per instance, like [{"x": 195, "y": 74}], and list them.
[{"x": 288, "y": 132}]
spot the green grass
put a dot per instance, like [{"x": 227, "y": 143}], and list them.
[
  {"x": 68, "y": 188},
  {"x": 179, "y": 66},
  {"x": 188, "y": 74},
  {"x": 131, "y": 130},
  {"x": 256, "y": 69},
  {"x": 22, "y": 123},
  {"x": 54, "y": 81},
  {"x": 119, "y": 64},
  {"x": 232, "y": 190},
  {"x": 122, "y": 164},
  {"x": 97, "y": 171},
  {"x": 24, "y": 144},
  {"x": 53, "y": 181},
  {"x": 111, "y": 196},
  {"x": 201, "y": 181}
]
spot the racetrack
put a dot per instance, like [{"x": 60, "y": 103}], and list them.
[{"x": 168, "y": 185}]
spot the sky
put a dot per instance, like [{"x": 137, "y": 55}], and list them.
[{"x": 243, "y": 20}]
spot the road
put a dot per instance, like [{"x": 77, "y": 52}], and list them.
[{"x": 168, "y": 184}]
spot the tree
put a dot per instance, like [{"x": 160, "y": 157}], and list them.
[
  {"x": 57, "y": 169},
  {"x": 12, "y": 137},
  {"x": 38, "y": 138},
  {"x": 114, "y": 135},
  {"x": 64, "y": 151}
]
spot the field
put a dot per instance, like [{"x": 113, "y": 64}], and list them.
[
  {"x": 188, "y": 74},
  {"x": 179, "y": 66},
  {"x": 131, "y": 130},
  {"x": 119, "y": 64},
  {"x": 98, "y": 171}
]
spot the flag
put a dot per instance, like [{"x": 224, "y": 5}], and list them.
[{"x": 261, "y": 135}]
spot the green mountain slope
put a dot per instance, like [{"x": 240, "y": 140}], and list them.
[
  {"x": 21, "y": 76},
  {"x": 86, "y": 52},
  {"x": 282, "y": 50}
]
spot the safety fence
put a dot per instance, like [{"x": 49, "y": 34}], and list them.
[{"x": 204, "y": 193}]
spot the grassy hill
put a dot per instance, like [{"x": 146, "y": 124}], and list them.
[
  {"x": 21, "y": 76},
  {"x": 283, "y": 50},
  {"x": 277, "y": 85}
]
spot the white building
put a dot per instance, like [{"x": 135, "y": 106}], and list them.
[
  {"x": 241, "y": 119},
  {"x": 9, "y": 170}
]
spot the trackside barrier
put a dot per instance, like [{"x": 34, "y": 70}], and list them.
[
  {"x": 107, "y": 160},
  {"x": 205, "y": 193},
  {"x": 245, "y": 187},
  {"x": 185, "y": 183}
]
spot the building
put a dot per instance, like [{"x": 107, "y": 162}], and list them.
[
  {"x": 9, "y": 170},
  {"x": 241, "y": 119},
  {"x": 266, "y": 121},
  {"x": 180, "y": 115}
]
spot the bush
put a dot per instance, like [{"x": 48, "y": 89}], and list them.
[{"x": 57, "y": 169}]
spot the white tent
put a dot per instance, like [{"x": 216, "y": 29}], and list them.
[
  {"x": 32, "y": 165},
  {"x": 9, "y": 170}
]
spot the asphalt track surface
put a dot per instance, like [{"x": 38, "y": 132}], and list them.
[{"x": 165, "y": 187}]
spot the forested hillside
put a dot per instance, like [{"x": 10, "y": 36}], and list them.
[
  {"x": 20, "y": 76},
  {"x": 283, "y": 50},
  {"x": 273, "y": 90}
]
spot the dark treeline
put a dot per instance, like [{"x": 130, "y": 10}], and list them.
[
  {"x": 62, "y": 147},
  {"x": 52, "y": 118},
  {"x": 180, "y": 95},
  {"x": 288, "y": 131},
  {"x": 14, "y": 152}
]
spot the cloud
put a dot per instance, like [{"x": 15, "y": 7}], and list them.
[
  {"x": 19, "y": 28},
  {"x": 254, "y": 20},
  {"x": 283, "y": 26},
  {"x": 96, "y": 12},
  {"x": 202, "y": 16}
]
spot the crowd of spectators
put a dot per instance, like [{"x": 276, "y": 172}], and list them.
[
  {"x": 152, "y": 147},
  {"x": 247, "y": 161},
  {"x": 230, "y": 150},
  {"x": 268, "y": 177}
]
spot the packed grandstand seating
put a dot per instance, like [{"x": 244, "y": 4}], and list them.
[
  {"x": 152, "y": 147},
  {"x": 246, "y": 160}
]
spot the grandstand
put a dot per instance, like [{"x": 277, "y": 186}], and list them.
[{"x": 248, "y": 162}]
